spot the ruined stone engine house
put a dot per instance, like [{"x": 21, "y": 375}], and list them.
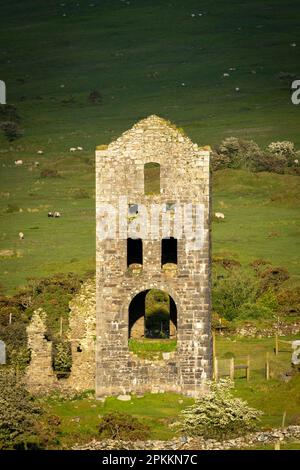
[{"x": 152, "y": 163}]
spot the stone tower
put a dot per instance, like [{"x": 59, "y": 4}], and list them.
[{"x": 152, "y": 165}]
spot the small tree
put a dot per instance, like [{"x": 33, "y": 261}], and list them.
[
  {"x": 218, "y": 415},
  {"x": 19, "y": 414}
]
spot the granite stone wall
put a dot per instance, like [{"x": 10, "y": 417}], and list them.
[{"x": 185, "y": 178}]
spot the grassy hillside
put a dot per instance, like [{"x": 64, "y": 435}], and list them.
[
  {"x": 143, "y": 57},
  {"x": 150, "y": 57}
]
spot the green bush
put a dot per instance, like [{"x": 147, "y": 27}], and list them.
[
  {"x": 21, "y": 419},
  {"x": 254, "y": 312},
  {"x": 218, "y": 415},
  {"x": 122, "y": 426},
  {"x": 62, "y": 358},
  {"x": 231, "y": 292},
  {"x": 273, "y": 278},
  {"x": 11, "y": 130},
  {"x": 238, "y": 154}
]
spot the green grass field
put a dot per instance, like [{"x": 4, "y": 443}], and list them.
[
  {"x": 80, "y": 416},
  {"x": 144, "y": 57}
]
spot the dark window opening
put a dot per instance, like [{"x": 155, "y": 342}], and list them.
[
  {"x": 169, "y": 250},
  {"x": 134, "y": 251},
  {"x": 152, "y": 178},
  {"x": 78, "y": 349}
]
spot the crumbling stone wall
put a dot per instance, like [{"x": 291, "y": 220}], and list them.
[
  {"x": 82, "y": 336},
  {"x": 40, "y": 376},
  {"x": 184, "y": 177}
]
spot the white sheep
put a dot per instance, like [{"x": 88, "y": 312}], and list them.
[
  {"x": 21, "y": 236},
  {"x": 40, "y": 152},
  {"x": 36, "y": 164},
  {"x": 18, "y": 162},
  {"x": 56, "y": 214},
  {"x": 73, "y": 149},
  {"x": 296, "y": 161},
  {"x": 226, "y": 75},
  {"x": 79, "y": 148},
  {"x": 219, "y": 215}
]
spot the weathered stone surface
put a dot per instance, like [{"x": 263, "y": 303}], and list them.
[
  {"x": 184, "y": 178},
  {"x": 291, "y": 433},
  {"x": 124, "y": 397}
]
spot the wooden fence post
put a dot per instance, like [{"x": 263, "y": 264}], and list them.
[
  {"x": 276, "y": 345},
  {"x": 267, "y": 366},
  {"x": 248, "y": 369},
  {"x": 216, "y": 370},
  {"x": 283, "y": 419},
  {"x": 231, "y": 368}
]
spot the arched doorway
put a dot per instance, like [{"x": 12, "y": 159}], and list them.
[{"x": 152, "y": 314}]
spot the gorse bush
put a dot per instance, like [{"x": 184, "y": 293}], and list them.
[
  {"x": 122, "y": 426},
  {"x": 278, "y": 157},
  {"x": 218, "y": 415},
  {"x": 18, "y": 414}
]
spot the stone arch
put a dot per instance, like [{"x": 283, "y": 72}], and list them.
[{"x": 136, "y": 311}]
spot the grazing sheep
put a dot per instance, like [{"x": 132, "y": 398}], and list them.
[
  {"x": 18, "y": 162},
  {"x": 73, "y": 149},
  {"x": 36, "y": 163},
  {"x": 296, "y": 161},
  {"x": 21, "y": 236},
  {"x": 237, "y": 89},
  {"x": 219, "y": 215},
  {"x": 40, "y": 152},
  {"x": 226, "y": 75},
  {"x": 79, "y": 148},
  {"x": 50, "y": 214},
  {"x": 56, "y": 214}
]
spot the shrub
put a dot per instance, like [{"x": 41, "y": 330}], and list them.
[
  {"x": 272, "y": 162},
  {"x": 95, "y": 97},
  {"x": 231, "y": 292},
  {"x": 218, "y": 414},
  {"x": 285, "y": 149},
  {"x": 18, "y": 415},
  {"x": 11, "y": 130},
  {"x": 238, "y": 153},
  {"x": 254, "y": 312},
  {"x": 122, "y": 426},
  {"x": 8, "y": 112},
  {"x": 273, "y": 278},
  {"x": 49, "y": 173},
  {"x": 62, "y": 358},
  {"x": 289, "y": 301}
]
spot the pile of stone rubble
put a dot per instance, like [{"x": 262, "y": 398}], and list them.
[{"x": 291, "y": 433}]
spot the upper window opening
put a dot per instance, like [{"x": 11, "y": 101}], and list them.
[
  {"x": 152, "y": 178},
  {"x": 169, "y": 251},
  {"x": 134, "y": 251}
]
